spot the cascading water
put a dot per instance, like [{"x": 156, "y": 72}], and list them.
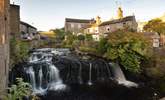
[
  {"x": 31, "y": 73},
  {"x": 40, "y": 78},
  {"x": 80, "y": 73},
  {"x": 120, "y": 77},
  {"x": 90, "y": 74},
  {"x": 51, "y": 76},
  {"x": 55, "y": 81}
]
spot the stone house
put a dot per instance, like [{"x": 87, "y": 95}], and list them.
[
  {"x": 28, "y": 31},
  {"x": 14, "y": 20},
  {"x": 4, "y": 44},
  {"x": 113, "y": 25},
  {"x": 76, "y": 26}
]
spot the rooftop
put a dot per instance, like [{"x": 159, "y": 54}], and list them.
[
  {"x": 79, "y": 20},
  {"x": 24, "y": 23},
  {"x": 128, "y": 18}
]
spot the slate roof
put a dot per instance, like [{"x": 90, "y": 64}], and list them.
[
  {"x": 26, "y": 24},
  {"x": 128, "y": 18},
  {"x": 79, "y": 20}
]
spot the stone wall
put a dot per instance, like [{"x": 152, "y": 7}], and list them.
[
  {"x": 75, "y": 27},
  {"x": 4, "y": 44}
]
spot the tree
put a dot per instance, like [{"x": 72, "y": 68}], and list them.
[
  {"x": 59, "y": 33},
  {"x": 81, "y": 38},
  {"x": 18, "y": 51},
  {"x": 155, "y": 25},
  {"x": 102, "y": 45},
  {"x": 128, "y": 48},
  {"x": 88, "y": 37}
]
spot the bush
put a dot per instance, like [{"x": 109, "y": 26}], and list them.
[
  {"x": 18, "y": 91},
  {"x": 18, "y": 51},
  {"x": 128, "y": 48}
]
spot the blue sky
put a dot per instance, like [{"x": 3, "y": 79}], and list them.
[{"x": 48, "y": 14}]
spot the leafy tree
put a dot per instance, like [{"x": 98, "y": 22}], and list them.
[
  {"x": 102, "y": 45},
  {"x": 155, "y": 25},
  {"x": 18, "y": 51},
  {"x": 81, "y": 37},
  {"x": 128, "y": 48},
  {"x": 59, "y": 33},
  {"x": 88, "y": 37},
  {"x": 69, "y": 41}
]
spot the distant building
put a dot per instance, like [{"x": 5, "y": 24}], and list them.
[
  {"x": 97, "y": 28},
  {"x": 4, "y": 45},
  {"x": 27, "y": 31},
  {"x": 77, "y": 25},
  {"x": 14, "y": 19}
]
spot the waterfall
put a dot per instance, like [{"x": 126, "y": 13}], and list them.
[
  {"x": 31, "y": 73},
  {"x": 80, "y": 77},
  {"x": 90, "y": 74},
  {"x": 107, "y": 66},
  {"x": 120, "y": 77},
  {"x": 55, "y": 81},
  {"x": 42, "y": 67},
  {"x": 40, "y": 78}
]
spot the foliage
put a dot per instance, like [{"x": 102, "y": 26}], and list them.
[
  {"x": 81, "y": 37},
  {"x": 17, "y": 92},
  {"x": 59, "y": 34},
  {"x": 70, "y": 38},
  {"x": 102, "y": 45},
  {"x": 155, "y": 25},
  {"x": 88, "y": 37},
  {"x": 128, "y": 48},
  {"x": 18, "y": 51},
  {"x": 87, "y": 49}
]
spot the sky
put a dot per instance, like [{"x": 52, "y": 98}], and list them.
[{"x": 51, "y": 14}]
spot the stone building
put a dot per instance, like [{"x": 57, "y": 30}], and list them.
[
  {"x": 14, "y": 19},
  {"x": 4, "y": 44},
  {"x": 122, "y": 23},
  {"x": 27, "y": 31},
  {"x": 77, "y": 25}
]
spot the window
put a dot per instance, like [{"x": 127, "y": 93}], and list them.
[{"x": 108, "y": 29}]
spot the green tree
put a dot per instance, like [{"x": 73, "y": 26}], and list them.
[
  {"x": 102, "y": 45},
  {"x": 60, "y": 34},
  {"x": 155, "y": 25},
  {"x": 88, "y": 37},
  {"x": 81, "y": 38},
  {"x": 128, "y": 48},
  {"x": 18, "y": 51}
]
